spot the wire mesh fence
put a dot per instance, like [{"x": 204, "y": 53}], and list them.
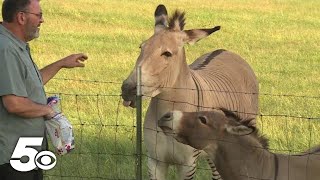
[{"x": 105, "y": 132}]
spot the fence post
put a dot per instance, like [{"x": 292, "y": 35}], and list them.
[{"x": 139, "y": 126}]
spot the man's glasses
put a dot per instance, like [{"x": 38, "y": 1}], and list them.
[{"x": 38, "y": 15}]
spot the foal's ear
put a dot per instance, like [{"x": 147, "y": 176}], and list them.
[
  {"x": 239, "y": 130},
  {"x": 194, "y": 35}
]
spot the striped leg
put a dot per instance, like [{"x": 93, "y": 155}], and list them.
[
  {"x": 215, "y": 173},
  {"x": 187, "y": 172},
  {"x": 157, "y": 170}
]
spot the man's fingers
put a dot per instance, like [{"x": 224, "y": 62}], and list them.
[
  {"x": 82, "y": 56},
  {"x": 79, "y": 65},
  {"x": 82, "y": 59}
]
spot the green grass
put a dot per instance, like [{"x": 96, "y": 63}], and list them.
[{"x": 279, "y": 39}]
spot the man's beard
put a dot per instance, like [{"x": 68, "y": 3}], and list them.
[{"x": 32, "y": 33}]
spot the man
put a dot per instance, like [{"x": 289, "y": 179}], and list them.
[{"x": 23, "y": 106}]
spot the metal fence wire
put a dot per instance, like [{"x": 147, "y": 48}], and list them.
[{"x": 108, "y": 136}]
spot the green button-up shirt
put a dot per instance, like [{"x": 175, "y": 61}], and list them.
[{"x": 18, "y": 76}]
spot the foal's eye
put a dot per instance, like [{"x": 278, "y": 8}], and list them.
[
  {"x": 166, "y": 54},
  {"x": 203, "y": 119}
]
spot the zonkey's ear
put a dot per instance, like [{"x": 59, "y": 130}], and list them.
[
  {"x": 240, "y": 130},
  {"x": 161, "y": 18},
  {"x": 194, "y": 35}
]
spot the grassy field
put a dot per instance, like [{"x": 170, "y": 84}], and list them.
[{"x": 279, "y": 39}]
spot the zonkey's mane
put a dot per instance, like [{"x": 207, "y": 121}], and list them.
[
  {"x": 256, "y": 134},
  {"x": 208, "y": 59},
  {"x": 177, "y": 16}
]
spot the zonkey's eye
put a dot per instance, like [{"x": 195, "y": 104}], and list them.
[
  {"x": 203, "y": 119},
  {"x": 166, "y": 54}
]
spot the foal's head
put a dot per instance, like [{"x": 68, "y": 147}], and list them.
[{"x": 204, "y": 129}]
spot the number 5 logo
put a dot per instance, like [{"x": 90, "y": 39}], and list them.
[{"x": 41, "y": 160}]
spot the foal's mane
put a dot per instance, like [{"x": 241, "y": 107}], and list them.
[{"x": 256, "y": 134}]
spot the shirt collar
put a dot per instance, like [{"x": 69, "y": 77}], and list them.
[{"x": 4, "y": 31}]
